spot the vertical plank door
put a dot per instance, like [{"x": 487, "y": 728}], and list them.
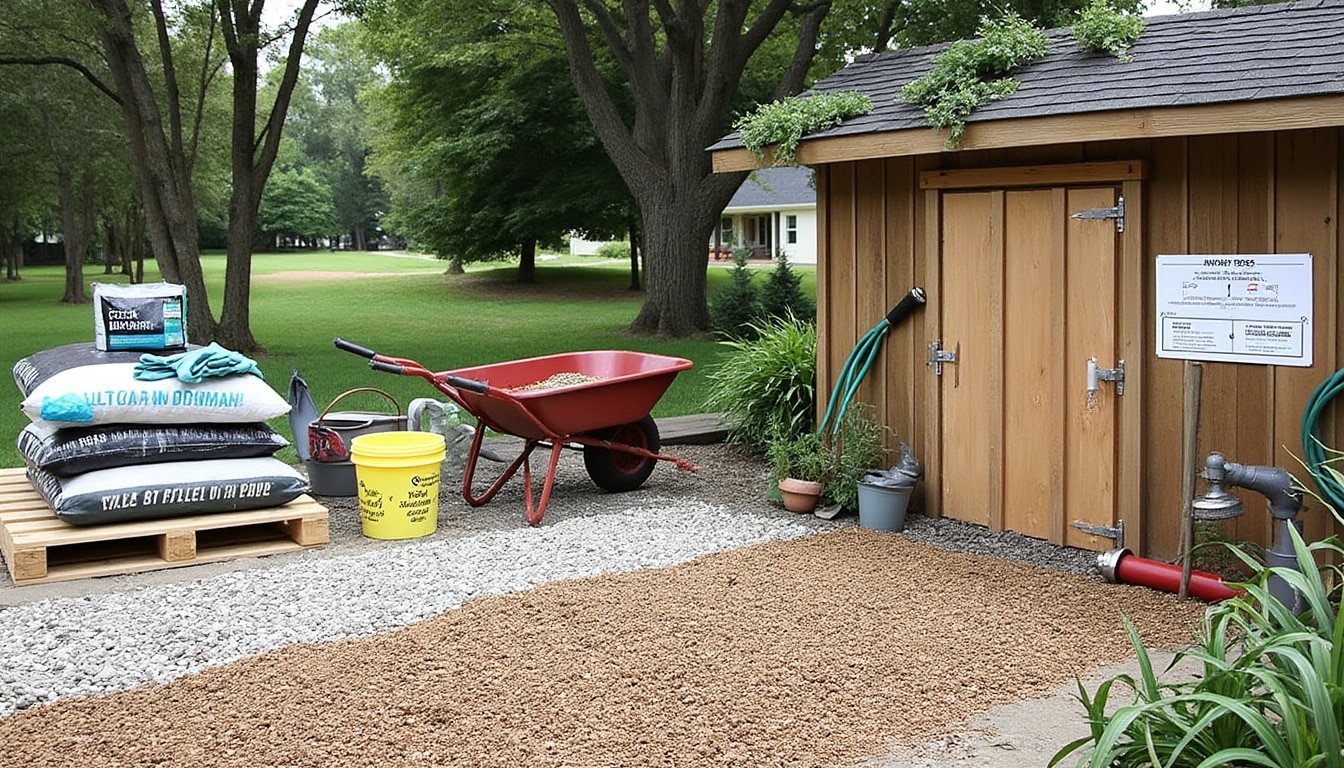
[{"x": 1029, "y": 296}]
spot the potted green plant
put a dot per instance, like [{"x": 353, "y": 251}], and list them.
[{"x": 798, "y": 465}]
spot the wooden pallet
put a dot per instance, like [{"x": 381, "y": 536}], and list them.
[{"x": 39, "y": 547}]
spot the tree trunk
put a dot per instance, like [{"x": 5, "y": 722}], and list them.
[
  {"x": 675, "y": 278},
  {"x": 76, "y": 230},
  {"x": 235, "y": 324},
  {"x": 683, "y": 70},
  {"x": 253, "y": 154},
  {"x": 133, "y": 243},
  {"x": 527, "y": 262},
  {"x": 455, "y": 267},
  {"x": 161, "y": 163},
  {"x": 635, "y": 252},
  {"x": 112, "y": 248},
  {"x": 11, "y": 250},
  {"x": 8, "y": 254},
  {"x": 360, "y": 243}
]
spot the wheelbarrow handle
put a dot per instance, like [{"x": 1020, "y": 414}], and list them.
[
  {"x": 471, "y": 385},
  {"x": 350, "y": 346},
  {"x": 379, "y": 365},
  {"x": 912, "y": 301}
]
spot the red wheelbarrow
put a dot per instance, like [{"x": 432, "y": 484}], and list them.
[{"x": 598, "y": 401}]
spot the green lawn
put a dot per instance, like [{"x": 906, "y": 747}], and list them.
[{"x": 398, "y": 306}]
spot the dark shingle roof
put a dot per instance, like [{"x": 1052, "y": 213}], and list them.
[
  {"x": 1244, "y": 54},
  {"x": 775, "y": 187}
]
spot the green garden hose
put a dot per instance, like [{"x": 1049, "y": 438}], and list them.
[
  {"x": 1314, "y": 451},
  {"x": 861, "y": 359}
]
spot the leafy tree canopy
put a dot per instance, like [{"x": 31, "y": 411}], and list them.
[
  {"x": 296, "y": 205},
  {"x": 485, "y": 146}
]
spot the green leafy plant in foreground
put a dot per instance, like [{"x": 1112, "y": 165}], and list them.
[
  {"x": 784, "y": 123},
  {"x": 1271, "y": 692},
  {"x": 858, "y": 447},
  {"x": 972, "y": 72},
  {"x": 767, "y": 386},
  {"x": 802, "y": 456},
  {"x": 1103, "y": 28}
]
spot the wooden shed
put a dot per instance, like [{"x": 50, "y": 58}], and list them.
[{"x": 1224, "y": 134}]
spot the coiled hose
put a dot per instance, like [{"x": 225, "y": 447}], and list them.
[
  {"x": 861, "y": 359},
  {"x": 1314, "y": 451}
]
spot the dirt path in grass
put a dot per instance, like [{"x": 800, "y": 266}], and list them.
[
  {"x": 326, "y": 277},
  {"x": 825, "y": 651}
]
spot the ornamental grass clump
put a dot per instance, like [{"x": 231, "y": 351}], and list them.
[
  {"x": 973, "y": 72},
  {"x": 784, "y": 123},
  {"x": 1271, "y": 689},
  {"x": 767, "y": 386},
  {"x": 1102, "y": 28}
]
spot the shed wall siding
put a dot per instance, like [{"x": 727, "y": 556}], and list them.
[{"x": 1250, "y": 193}]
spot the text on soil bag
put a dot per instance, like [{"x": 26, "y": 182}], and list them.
[
  {"x": 186, "y": 495},
  {"x": 182, "y": 398}
]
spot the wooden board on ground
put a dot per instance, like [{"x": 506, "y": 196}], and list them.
[{"x": 39, "y": 547}]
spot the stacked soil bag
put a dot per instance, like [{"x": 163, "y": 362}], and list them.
[{"x": 105, "y": 446}]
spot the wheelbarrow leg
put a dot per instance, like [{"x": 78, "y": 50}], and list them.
[
  {"x": 534, "y": 518},
  {"x": 469, "y": 473}
]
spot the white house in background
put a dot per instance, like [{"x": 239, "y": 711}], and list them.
[{"x": 775, "y": 209}]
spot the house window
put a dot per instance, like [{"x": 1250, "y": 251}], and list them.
[{"x": 791, "y": 229}]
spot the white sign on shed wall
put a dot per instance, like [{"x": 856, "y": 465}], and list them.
[{"x": 1244, "y": 308}]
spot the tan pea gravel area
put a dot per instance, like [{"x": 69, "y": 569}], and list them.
[{"x": 823, "y": 651}]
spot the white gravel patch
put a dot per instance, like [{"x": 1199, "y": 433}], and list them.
[{"x": 103, "y": 643}]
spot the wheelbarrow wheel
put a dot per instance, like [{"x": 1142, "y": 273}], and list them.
[{"x": 619, "y": 471}]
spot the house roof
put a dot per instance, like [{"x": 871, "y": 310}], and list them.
[
  {"x": 785, "y": 186},
  {"x": 1258, "y": 58}
]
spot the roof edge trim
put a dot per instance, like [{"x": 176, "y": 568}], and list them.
[{"x": 1325, "y": 111}]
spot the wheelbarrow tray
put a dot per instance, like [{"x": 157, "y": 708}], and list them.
[{"x": 628, "y": 385}]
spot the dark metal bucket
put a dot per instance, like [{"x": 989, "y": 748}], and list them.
[{"x": 330, "y": 471}]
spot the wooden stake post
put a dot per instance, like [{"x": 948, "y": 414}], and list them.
[{"x": 1194, "y": 379}]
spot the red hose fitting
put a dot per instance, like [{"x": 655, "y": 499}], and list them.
[{"x": 1120, "y": 565}]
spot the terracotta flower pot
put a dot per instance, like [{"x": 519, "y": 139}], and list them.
[{"x": 799, "y": 495}]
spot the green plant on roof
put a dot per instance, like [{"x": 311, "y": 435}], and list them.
[
  {"x": 1103, "y": 28},
  {"x": 973, "y": 72},
  {"x": 784, "y": 123}
]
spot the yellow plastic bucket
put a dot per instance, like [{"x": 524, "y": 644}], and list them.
[{"x": 398, "y": 478}]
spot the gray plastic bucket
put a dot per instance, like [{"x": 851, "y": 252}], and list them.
[
  {"x": 882, "y": 508},
  {"x": 331, "y": 478}
]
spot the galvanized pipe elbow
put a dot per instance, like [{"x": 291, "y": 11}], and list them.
[{"x": 1275, "y": 484}]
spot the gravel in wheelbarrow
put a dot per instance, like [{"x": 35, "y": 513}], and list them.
[{"x": 598, "y": 401}]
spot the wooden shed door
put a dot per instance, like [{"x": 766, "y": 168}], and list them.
[{"x": 1028, "y": 296}]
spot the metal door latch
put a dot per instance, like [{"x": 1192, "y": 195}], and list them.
[{"x": 938, "y": 356}]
